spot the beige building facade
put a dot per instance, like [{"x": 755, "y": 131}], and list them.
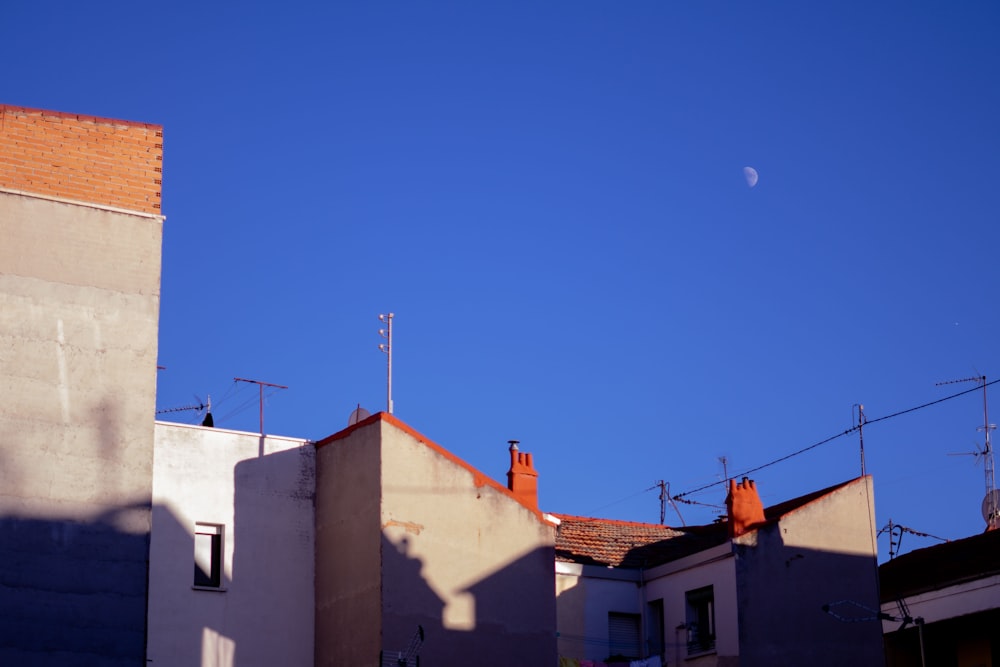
[{"x": 410, "y": 538}]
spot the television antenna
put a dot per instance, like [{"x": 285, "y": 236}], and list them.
[
  {"x": 261, "y": 385},
  {"x": 991, "y": 501},
  {"x": 387, "y": 348},
  {"x": 408, "y": 658},
  {"x": 664, "y": 499},
  {"x": 896, "y": 531}
]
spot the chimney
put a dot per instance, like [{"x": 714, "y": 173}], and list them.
[
  {"x": 744, "y": 507},
  {"x": 522, "y": 478}
]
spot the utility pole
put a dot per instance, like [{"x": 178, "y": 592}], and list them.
[
  {"x": 261, "y": 385},
  {"x": 387, "y": 348}
]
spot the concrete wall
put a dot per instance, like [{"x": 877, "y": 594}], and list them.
[
  {"x": 348, "y": 617},
  {"x": 261, "y": 491},
  {"x": 585, "y": 594},
  {"x": 79, "y": 305},
  {"x": 823, "y": 553}
]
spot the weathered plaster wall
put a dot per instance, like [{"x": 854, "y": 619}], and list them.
[
  {"x": 79, "y": 305},
  {"x": 261, "y": 491},
  {"x": 348, "y": 617},
  {"x": 823, "y": 553},
  {"x": 463, "y": 559}
]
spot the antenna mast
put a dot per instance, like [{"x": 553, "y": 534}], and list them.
[
  {"x": 991, "y": 510},
  {"x": 261, "y": 385},
  {"x": 664, "y": 499},
  {"x": 861, "y": 434},
  {"x": 387, "y": 348}
]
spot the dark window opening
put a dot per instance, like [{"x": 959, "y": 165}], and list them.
[
  {"x": 700, "y": 620},
  {"x": 208, "y": 555}
]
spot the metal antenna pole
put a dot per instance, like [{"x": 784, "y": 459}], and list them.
[
  {"x": 991, "y": 510},
  {"x": 725, "y": 473},
  {"x": 261, "y": 385},
  {"x": 861, "y": 435},
  {"x": 991, "y": 499},
  {"x": 387, "y": 348},
  {"x": 663, "y": 501}
]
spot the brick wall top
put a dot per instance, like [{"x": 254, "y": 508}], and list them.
[{"x": 101, "y": 161}]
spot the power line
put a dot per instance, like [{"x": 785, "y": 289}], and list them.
[{"x": 840, "y": 435}]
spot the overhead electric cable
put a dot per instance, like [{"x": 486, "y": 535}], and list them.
[{"x": 867, "y": 421}]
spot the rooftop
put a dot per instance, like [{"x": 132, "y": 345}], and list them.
[
  {"x": 609, "y": 542},
  {"x": 941, "y": 565}
]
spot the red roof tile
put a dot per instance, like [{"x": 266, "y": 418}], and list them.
[{"x": 605, "y": 541}]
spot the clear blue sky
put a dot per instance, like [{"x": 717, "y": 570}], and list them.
[{"x": 550, "y": 197}]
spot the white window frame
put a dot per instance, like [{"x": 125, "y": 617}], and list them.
[{"x": 209, "y": 557}]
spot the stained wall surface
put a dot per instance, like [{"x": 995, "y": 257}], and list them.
[
  {"x": 259, "y": 490},
  {"x": 79, "y": 308}
]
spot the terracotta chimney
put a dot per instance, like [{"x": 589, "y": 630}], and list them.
[
  {"x": 744, "y": 507},
  {"x": 522, "y": 478}
]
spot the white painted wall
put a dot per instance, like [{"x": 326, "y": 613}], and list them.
[{"x": 261, "y": 490}]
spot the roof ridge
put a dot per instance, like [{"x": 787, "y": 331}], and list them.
[{"x": 619, "y": 522}]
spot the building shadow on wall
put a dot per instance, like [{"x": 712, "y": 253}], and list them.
[
  {"x": 260, "y": 614},
  {"x": 272, "y": 591},
  {"x": 73, "y": 585},
  {"x": 795, "y": 605},
  {"x": 508, "y": 617},
  {"x": 184, "y": 622},
  {"x": 73, "y": 592}
]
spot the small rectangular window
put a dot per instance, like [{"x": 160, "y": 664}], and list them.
[
  {"x": 700, "y": 620},
  {"x": 208, "y": 555}
]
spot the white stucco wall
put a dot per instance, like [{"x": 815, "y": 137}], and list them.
[
  {"x": 261, "y": 491},
  {"x": 670, "y": 582},
  {"x": 585, "y": 595}
]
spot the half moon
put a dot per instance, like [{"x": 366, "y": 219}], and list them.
[{"x": 750, "y": 174}]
